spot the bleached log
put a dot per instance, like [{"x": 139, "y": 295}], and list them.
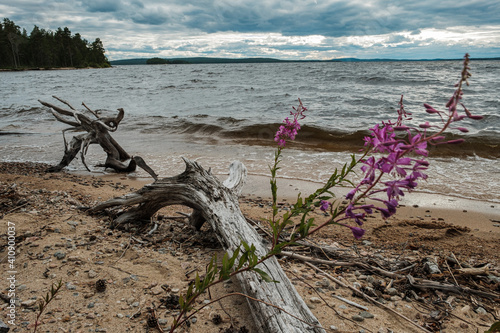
[{"x": 217, "y": 204}]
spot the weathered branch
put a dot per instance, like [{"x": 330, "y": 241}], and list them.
[
  {"x": 218, "y": 205},
  {"x": 97, "y": 133}
]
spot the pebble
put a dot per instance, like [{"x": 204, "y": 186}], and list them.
[
  {"x": 357, "y": 318},
  {"x": 392, "y": 291},
  {"x": 70, "y": 286},
  {"x": 156, "y": 290},
  {"x": 28, "y": 303},
  {"x": 92, "y": 274},
  {"x": 366, "y": 314},
  {"x": 480, "y": 310},
  {"x": 60, "y": 255},
  {"x": 315, "y": 300},
  {"x": 3, "y": 327},
  {"x": 334, "y": 328},
  {"x": 73, "y": 223},
  {"x": 431, "y": 267}
]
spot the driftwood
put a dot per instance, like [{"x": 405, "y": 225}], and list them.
[
  {"x": 217, "y": 204},
  {"x": 97, "y": 132}
]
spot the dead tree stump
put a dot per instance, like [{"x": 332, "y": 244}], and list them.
[
  {"x": 97, "y": 132},
  {"x": 217, "y": 204}
]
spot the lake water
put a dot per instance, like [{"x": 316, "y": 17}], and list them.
[{"x": 216, "y": 113}]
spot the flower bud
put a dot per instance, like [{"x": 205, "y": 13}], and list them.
[
  {"x": 455, "y": 142},
  {"x": 476, "y": 117}
]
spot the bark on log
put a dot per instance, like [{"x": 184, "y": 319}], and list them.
[
  {"x": 217, "y": 204},
  {"x": 97, "y": 132}
]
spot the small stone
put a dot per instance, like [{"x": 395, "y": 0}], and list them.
[
  {"x": 119, "y": 315},
  {"x": 60, "y": 255},
  {"x": 194, "y": 320},
  {"x": 366, "y": 314},
  {"x": 480, "y": 310},
  {"x": 315, "y": 300},
  {"x": 431, "y": 267},
  {"x": 70, "y": 286},
  {"x": 3, "y": 327},
  {"x": 92, "y": 274},
  {"x": 156, "y": 290},
  {"x": 91, "y": 305},
  {"x": 28, "y": 303},
  {"x": 72, "y": 223},
  {"x": 392, "y": 291},
  {"x": 494, "y": 278},
  {"x": 357, "y": 318},
  {"x": 135, "y": 304},
  {"x": 334, "y": 328}
]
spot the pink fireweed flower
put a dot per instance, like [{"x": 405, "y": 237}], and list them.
[
  {"x": 357, "y": 232},
  {"x": 289, "y": 130},
  {"x": 324, "y": 205},
  {"x": 395, "y": 162}
]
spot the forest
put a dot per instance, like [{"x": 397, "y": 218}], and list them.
[{"x": 47, "y": 49}]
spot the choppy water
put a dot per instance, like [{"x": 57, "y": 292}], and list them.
[{"x": 220, "y": 112}]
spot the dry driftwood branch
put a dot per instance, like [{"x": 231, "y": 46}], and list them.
[
  {"x": 217, "y": 204},
  {"x": 97, "y": 131}
]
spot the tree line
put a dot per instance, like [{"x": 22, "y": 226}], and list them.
[{"x": 47, "y": 49}]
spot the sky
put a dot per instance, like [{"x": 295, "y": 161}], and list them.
[{"x": 289, "y": 30}]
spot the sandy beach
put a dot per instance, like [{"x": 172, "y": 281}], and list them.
[{"x": 57, "y": 241}]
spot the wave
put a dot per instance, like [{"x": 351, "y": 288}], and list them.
[{"x": 242, "y": 131}]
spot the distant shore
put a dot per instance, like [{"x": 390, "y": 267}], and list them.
[{"x": 45, "y": 69}]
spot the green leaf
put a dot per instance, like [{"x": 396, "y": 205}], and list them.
[
  {"x": 264, "y": 275},
  {"x": 233, "y": 258},
  {"x": 494, "y": 328},
  {"x": 181, "y": 302},
  {"x": 243, "y": 260}
]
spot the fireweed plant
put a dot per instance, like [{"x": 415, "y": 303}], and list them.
[{"x": 393, "y": 161}]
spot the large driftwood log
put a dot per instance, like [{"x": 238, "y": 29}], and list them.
[
  {"x": 97, "y": 132},
  {"x": 217, "y": 204}
]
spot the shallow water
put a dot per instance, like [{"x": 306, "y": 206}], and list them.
[{"x": 216, "y": 113}]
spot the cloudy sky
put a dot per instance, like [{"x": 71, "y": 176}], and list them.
[{"x": 293, "y": 29}]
